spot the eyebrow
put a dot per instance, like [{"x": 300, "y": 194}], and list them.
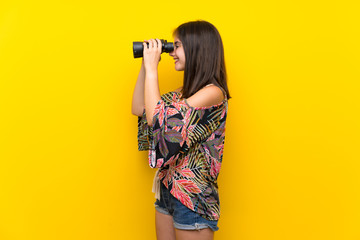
[{"x": 177, "y": 42}]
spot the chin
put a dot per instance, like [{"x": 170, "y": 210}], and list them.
[{"x": 179, "y": 68}]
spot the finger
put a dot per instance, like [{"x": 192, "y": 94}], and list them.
[
  {"x": 151, "y": 43},
  {"x": 155, "y": 44},
  {"x": 159, "y": 45},
  {"x": 145, "y": 47},
  {"x": 147, "y": 43}
]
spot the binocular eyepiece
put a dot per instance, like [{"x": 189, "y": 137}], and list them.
[{"x": 138, "y": 48}]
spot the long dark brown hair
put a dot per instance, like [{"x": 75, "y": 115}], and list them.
[{"x": 204, "y": 57}]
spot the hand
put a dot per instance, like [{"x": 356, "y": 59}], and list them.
[
  {"x": 142, "y": 62},
  {"x": 152, "y": 54}
]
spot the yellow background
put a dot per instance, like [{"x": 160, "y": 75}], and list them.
[{"x": 70, "y": 168}]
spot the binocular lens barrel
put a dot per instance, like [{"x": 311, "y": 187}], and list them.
[{"x": 138, "y": 48}]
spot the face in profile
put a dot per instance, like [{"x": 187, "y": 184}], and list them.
[{"x": 178, "y": 54}]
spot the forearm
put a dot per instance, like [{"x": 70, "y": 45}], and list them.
[
  {"x": 152, "y": 94},
  {"x": 138, "y": 101}
]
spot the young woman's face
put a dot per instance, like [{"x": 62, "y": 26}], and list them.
[{"x": 178, "y": 54}]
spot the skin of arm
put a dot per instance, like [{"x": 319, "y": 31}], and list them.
[
  {"x": 138, "y": 95},
  {"x": 208, "y": 96},
  {"x": 151, "y": 58}
]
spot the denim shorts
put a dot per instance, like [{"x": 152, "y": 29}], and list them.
[{"x": 183, "y": 217}]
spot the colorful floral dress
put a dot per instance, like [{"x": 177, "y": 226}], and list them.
[{"x": 186, "y": 144}]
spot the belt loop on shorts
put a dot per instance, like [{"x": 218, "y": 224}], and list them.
[
  {"x": 197, "y": 226},
  {"x": 156, "y": 185}
]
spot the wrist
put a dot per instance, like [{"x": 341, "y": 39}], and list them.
[
  {"x": 151, "y": 76},
  {"x": 151, "y": 72}
]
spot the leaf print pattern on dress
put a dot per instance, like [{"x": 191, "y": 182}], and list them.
[{"x": 186, "y": 144}]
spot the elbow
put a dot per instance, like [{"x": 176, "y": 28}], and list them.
[
  {"x": 149, "y": 121},
  {"x": 150, "y": 124},
  {"x": 137, "y": 112}
]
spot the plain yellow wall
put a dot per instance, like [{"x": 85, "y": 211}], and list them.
[{"x": 70, "y": 168}]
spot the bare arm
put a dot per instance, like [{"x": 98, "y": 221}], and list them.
[
  {"x": 152, "y": 92},
  {"x": 138, "y": 95}
]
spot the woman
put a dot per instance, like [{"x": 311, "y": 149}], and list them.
[{"x": 184, "y": 131}]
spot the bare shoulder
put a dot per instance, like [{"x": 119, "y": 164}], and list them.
[{"x": 206, "y": 97}]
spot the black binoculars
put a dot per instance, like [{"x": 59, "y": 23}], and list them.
[{"x": 138, "y": 48}]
